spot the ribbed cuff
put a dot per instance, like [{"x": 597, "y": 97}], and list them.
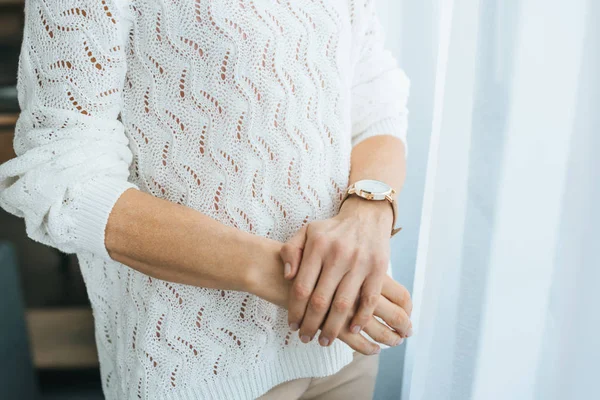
[
  {"x": 396, "y": 126},
  {"x": 94, "y": 208}
]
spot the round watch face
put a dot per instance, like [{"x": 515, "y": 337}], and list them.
[{"x": 372, "y": 186}]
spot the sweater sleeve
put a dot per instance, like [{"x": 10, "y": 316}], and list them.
[
  {"x": 73, "y": 156},
  {"x": 380, "y": 87}
]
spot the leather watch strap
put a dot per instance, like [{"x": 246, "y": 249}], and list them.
[{"x": 395, "y": 211}]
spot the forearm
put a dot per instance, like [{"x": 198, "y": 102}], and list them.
[
  {"x": 380, "y": 157},
  {"x": 175, "y": 243}
]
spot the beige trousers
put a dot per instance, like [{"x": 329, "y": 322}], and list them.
[{"x": 355, "y": 381}]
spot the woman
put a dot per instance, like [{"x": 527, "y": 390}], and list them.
[{"x": 175, "y": 146}]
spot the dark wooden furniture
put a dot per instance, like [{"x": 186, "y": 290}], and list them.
[
  {"x": 7, "y": 123},
  {"x": 62, "y": 337}
]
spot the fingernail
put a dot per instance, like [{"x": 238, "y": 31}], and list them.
[
  {"x": 324, "y": 341},
  {"x": 376, "y": 351},
  {"x": 399, "y": 342},
  {"x": 409, "y": 332},
  {"x": 355, "y": 329},
  {"x": 304, "y": 339},
  {"x": 287, "y": 269},
  {"x": 294, "y": 326}
]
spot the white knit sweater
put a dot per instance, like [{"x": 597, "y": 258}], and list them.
[{"x": 245, "y": 110}]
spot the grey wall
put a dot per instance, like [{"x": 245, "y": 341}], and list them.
[{"x": 412, "y": 36}]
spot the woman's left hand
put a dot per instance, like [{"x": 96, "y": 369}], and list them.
[{"x": 335, "y": 263}]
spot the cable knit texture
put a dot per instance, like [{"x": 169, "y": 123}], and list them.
[{"x": 245, "y": 110}]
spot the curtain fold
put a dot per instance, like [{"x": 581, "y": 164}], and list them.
[{"x": 508, "y": 246}]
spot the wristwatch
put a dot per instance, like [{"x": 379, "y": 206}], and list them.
[{"x": 371, "y": 189}]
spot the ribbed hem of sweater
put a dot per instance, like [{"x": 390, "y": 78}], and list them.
[
  {"x": 302, "y": 362},
  {"x": 94, "y": 209}
]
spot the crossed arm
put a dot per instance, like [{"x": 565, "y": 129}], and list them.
[{"x": 166, "y": 241}]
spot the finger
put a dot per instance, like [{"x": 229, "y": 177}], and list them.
[
  {"x": 398, "y": 294},
  {"x": 394, "y": 316},
  {"x": 369, "y": 298},
  {"x": 382, "y": 333},
  {"x": 344, "y": 300},
  {"x": 291, "y": 253},
  {"x": 359, "y": 343},
  {"x": 319, "y": 305},
  {"x": 304, "y": 283}
]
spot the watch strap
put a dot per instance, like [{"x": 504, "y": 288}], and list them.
[
  {"x": 351, "y": 191},
  {"x": 395, "y": 212}
]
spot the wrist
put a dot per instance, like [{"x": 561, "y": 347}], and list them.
[
  {"x": 264, "y": 275},
  {"x": 378, "y": 212}
]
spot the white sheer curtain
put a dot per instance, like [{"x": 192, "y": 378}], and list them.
[{"x": 507, "y": 283}]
